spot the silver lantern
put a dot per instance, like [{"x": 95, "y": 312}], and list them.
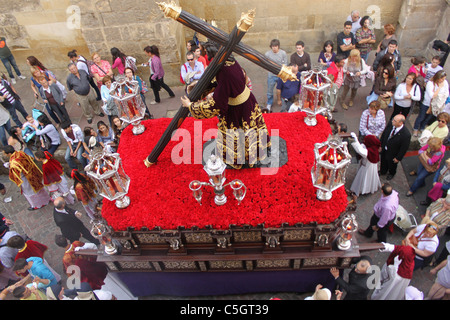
[
  {"x": 107, "y": 171},
  {"x": 348, "y": 227},
  {"x": 129, "y": 102},
  {"x": 313, "y": 94},
  {"x": 331, "y": 162}
]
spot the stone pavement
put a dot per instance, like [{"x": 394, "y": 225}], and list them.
[{"x": 39, "y": 224}]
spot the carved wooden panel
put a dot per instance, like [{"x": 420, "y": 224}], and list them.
[
  {"x": 297, "y": 235},
  {"x": 149, "y": 238},
  {"x": 233, "y": 264},
  {"x": 179, "y": 265},
  {"x": 318, "y": 262},
  {"x": 198, "y": 237},
  {"x": 135, "y": 265},
  {"x": 247, "y": 236},
  {"x": 278, "y": 263}
]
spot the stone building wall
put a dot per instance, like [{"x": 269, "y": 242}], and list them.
[{"x": 48, "y": 29}]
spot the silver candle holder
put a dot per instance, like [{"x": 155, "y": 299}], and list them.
[{"x": 215, "y": 168}]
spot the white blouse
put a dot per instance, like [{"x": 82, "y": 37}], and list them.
[{"x": 401, "y": 92}]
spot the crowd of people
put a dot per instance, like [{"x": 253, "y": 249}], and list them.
[{"x": 381, "y": 144}]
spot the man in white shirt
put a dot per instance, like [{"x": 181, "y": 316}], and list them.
[
  {"x": 278, "y": 55},
  {"x": 433, "y": 67},
  {"x": 192, "y": 70},
  {"x": 355, "y": 19},
  {"x": 74, "y": 137}
]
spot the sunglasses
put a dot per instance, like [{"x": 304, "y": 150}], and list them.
[{"x": 190, "y": 59}]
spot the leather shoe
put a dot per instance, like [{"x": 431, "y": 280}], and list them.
[
  {"x": 389, "y": 177},
  {"x": 89, "y": 121},
  {"x": 409, "y": 194},
  {"x": 101, "y": 114},
  {"x": 32, "y": 208}
]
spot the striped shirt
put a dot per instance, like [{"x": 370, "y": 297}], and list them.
[{"x": 4, "y": 91}]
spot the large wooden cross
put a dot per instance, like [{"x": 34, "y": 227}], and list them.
[{"x": 228, "y": 44}]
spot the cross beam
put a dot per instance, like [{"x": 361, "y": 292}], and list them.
[{"x": 229, "y": 43}]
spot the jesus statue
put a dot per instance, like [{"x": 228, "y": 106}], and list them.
[{"x": 243, "y": 138}]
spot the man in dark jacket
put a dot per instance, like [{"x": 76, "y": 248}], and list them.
[
  {"x": 68, "y": 220},
  {"x": 395, "y": 141},
  {"x": 358, "y": 280}
]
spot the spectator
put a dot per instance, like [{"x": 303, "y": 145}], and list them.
[
  {"x": 365, "y": 37},
  {"x": 430, "y": 157},
  {"x": 15, "y": 139},
  {"x": 9, "y": 94},
  {"x": 336, "y": 69},
  {"x": 68, "y": 220},
  {"x": 385, "y": 86},
  {"x": 78, "y": 81},
  {"x": 438, "y": 129},
  {"x": 38, "y": 272},
  {"x": 357, "y": 286},
  {"x": 373, "y": 121},
  {"x": 157, "y": 74},
  {"x": 394, "y": 144},
  {"x": 355, "y": 19},
  {"x": 406, "y": 93},
  {"x": 300, "y": 57},
  {"x": 105, "y": 136},
  {"x": 74, "y": 136},
  {"x": 354, "y": 68},
  {"x": 28, "y": 292},
  {"x": 191, "y": 70},
  {"x": 346, "y": 41},
  {"x": 279, "y": 56},
  {"x": 441, "y": 184},
  {"x": 389, "y": 34},
  {"x": 286, "y": 91},
  {"x": 34, "y": 63},
  {"x": 8, "y": 60},
  {"x": 84, "y": 64},
  {"x": 109, "y": 104},
  {"x": 424, "y": 240},
  {"x": 50, "y": 139},
  {"x": 118, "y": 60},
  {"x": 198, "y": 56},
  {"x": 327, "y": 55},
  {"x": 432, "y": 68},
  {"x": 320, "y": 294},
  {"x": 99, "y": 69},
  {"x": 436, "y": 93},
  {"x": 439, "y": 213},
  {"x": 7, "y": 254},
  {"x": 441, "y": 287},
  {"x": 392, "y": 48},
  {"x": 52, "y": 96},
  {"x": 117, "y": 127},
  {"x": 384, "y": 214},
  {"x": 418, "y": 67}
]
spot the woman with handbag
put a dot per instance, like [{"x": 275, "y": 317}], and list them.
[
  {"x": 441, "y": 184},
  {"x": 385, "y": 85},
  {"x": 354, "y": 68},
  {"x": 436, "y": 93},
  {"x": 439, "y": 213},
  {"x": 424, "y": 240},
  {"x": 430, "y": 157},
  {"x": 406, "y": 94},
  {"x": 100, "y": 68}
]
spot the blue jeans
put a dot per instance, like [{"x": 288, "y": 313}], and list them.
[
  {"x": 8, "y": 62},
  {"x": 17, "y": 105},
  {"x": 365, "y": 56},
  {"x": 423, "y": 118},
  {"x": 271, "y": 84},
  {"x": 420, "y": 180},
  {"x": 70, "y": 160},
  {"x": 53, "y": 148},
  {"x": 3, "y": 130}
]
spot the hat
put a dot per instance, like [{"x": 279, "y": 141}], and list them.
[
  {"x": 322, "y": 294},
  {"x": 92, "y": 142}
]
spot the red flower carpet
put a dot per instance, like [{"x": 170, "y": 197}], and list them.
[{"x": 160, "y": 195}]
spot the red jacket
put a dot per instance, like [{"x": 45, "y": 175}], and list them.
[
  {"x": 406, "y": 254},
  {"x": 333, "y": 69}
]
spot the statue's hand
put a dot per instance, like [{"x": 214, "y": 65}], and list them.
[{"x": 185, "y": 101}]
